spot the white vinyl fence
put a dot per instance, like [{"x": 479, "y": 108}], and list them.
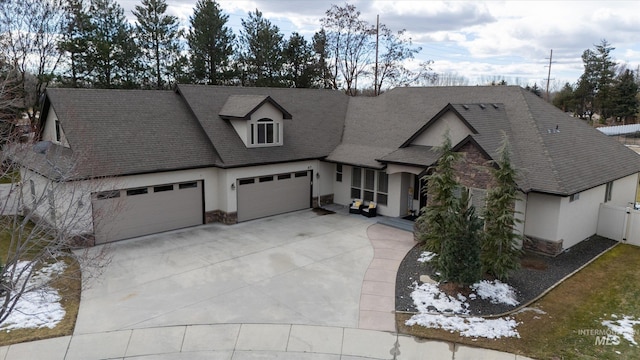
[{"x": 619, "y": 223}]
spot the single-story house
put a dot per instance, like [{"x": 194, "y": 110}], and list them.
[{"x": 149, "y": 161}]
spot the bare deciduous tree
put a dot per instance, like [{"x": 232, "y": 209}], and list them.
[
  {"x": 45, "y": 220},
  {"x": 30, "y": 32}
]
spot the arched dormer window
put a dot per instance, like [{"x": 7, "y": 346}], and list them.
[{"x": 265, "y": 132}]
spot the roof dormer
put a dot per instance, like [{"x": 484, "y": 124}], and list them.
[{"x": 258, "y": 119}]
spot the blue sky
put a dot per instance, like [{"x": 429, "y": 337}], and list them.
[{"x": 480, "y": 40}]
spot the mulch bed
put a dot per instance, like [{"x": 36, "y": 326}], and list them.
[{"x": 537, "y": 274}]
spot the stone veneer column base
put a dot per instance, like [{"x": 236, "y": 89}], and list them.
[
  {"x": 542, "y": 246},
  {"x": 221, "y": 217}
]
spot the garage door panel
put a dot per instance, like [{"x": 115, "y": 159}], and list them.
[
  {"x": 284, "y": 193},
  {"x": 136, "y": 213}
]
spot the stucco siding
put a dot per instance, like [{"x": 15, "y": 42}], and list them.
[
  {"x": 542, "y": 216},
  {"x": 49, "y": 130},
  {"x": 579, "y": 218},
  {"x": 434, "y": 135}
]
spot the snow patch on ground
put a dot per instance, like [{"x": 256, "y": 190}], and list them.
[
  {"x": 469, "y": 326},
  {"x": 438, "y": 310},
  {"x": 40, "y": 308},
  {"x": 495, "y": 291},
  {"x": 426, "y": 256},
  {"x": 623, "y": 327}
]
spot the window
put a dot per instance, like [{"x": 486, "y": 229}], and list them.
[
  {"x": 284, "y": 176},
  {"x": 356, "y": 182},
  {"x": 264, "y": 132},
  {"x": 265, "y": 179},
  {"x": 246, "y": 181},
  {"x": 138, "y": 191},
  {"x": 162, "y": 188},
  {"x": 189, "y": 185},
  {"x": 383, "y": 186},
  {"x": 108, "y": 195},
  {"x": 301, "y": 174},
  {"x": 339, "y": 172},
  {"x": 607, "y": 191},
  {"x": 574, "y": 197},
  {"x": 373, "y": 186},
  {"x": 58, "y": 131}
]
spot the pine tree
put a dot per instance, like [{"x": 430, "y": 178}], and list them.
[
  {"x": 262, "y": 52},
  {"x": 159, "y": 40},
  {"x": 500, "y": 246},
  {"x": 441, "y": 194},
  {"x": 111, "y": 54},
  {"x": 301, "y": 70},
  {"x": 625, "y": 101},
  {"x": 459, "y": 262},
  {"x": 210, "y": 44}
]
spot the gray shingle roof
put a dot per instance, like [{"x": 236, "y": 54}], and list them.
[
  {"x": 574, "y": 159},
  {"x": 314, "y": 131},
  {"x": 120, "y": 132},
  {"x": 242, "y": 106}
]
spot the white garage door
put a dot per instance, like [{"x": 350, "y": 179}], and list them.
[
  {"x": 274, "y": 194},
  {"x": 122, "y": 214}
]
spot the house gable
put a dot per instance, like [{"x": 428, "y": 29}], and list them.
[
  {"x": 433, "y": 132},
  {"x": 52, "y": 129},
  {"x": 258, "y": 120}
]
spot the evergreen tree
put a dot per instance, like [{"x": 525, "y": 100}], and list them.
[
  {"x": 565, "y": 99},
  {"x": 595, "y": 86},
  {"x": 75, "y": 43},
  {"x": 459, "y": 261},
  {"x": 262, "y": 54},
  {"x": 210, "y": 44},
  {"x": 441, "y": 194},
  {"x": 159, "y": 40},
  {"x": 500, "y": 246},
  {"x": 321, "y": 60},
  {"x": 625, "y": 100},
  {"x": 107, "y": 54},
  {"x": 301, "y": 71}
]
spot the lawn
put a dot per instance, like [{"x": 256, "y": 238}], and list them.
[
  {"x": 68, "y": 286},
  {"x": 564, "y": 323},
  {"x": 8, "y": 177}
]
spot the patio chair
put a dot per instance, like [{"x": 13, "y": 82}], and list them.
[
  {"x": 356, "y": 206},
  {"x": 371, "y": 210}
]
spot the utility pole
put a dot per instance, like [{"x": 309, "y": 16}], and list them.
[
  {"x": 375, "y": 77},
  {"x": 549, "y": 73}
]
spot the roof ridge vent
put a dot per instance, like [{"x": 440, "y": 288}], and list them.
[
  {"x": 495, "y": 106},
  {"x": 466, "y": 107},
  {"x": 483, "y": 106}
]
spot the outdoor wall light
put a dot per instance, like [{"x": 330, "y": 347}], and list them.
[
  {"x": 317, "y": 175},
  {"x": 233, "y": 186}
]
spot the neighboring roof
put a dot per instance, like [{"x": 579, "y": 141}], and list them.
[
  {"x": 242, "y": 106},
  {"x": 122, "y": 132},
  {"x": 620, "y": 129},
  {"x": 316, "y": 128}
]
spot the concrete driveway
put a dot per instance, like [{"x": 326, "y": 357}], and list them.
[{"x": 297, "y": 268}]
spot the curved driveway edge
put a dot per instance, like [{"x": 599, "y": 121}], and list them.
[{"x": 378, "y": 295}]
